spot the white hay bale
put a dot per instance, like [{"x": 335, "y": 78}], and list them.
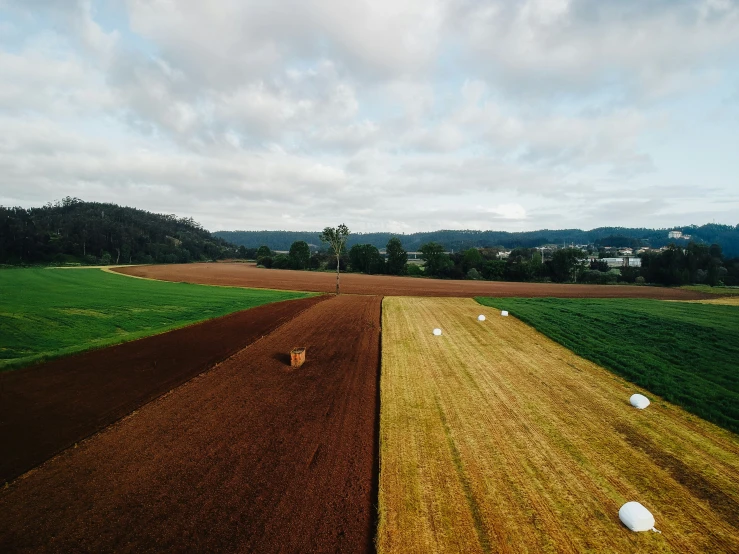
[
  {"x": 636, "y": 517},
  {"x": 480, "y": 317},
  {"x": 639, "y": 401},
  {"x": 504, "y": 313},
  {"x": 437, "y": 332}
]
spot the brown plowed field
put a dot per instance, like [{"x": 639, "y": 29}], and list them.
[
  {"x": 45, "y": 409},
  {"x": 250, "y": 456},
  {"x": 248, "y": 275}
]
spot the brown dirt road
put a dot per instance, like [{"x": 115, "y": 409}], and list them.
[
  {"x": 250, "y": 456},
  {"x": 47, "y": 408},
  {"x": 248, "y": 275}
]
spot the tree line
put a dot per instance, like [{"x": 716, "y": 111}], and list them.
[
  {"x": 675, "y": 265},
  {"x": 361, "y": 258},
  {"x": 726, "y": 236},
  {"x": 73, "y": 231}
]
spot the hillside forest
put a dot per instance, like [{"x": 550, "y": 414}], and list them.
[
  {"x": 726, "y": 236},
  {"x": 73, "y": 231}
]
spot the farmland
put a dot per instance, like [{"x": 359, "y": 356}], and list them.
[
  {"x": 494, "y": 438},
  {"x": 723, "y": 300},
  {"x": 684, "y": 352},
  {"x": 491, "y": 437},
  {"x": 50, "y": 313},
  {"x": 722, "y": 291},
  {"x": 49, "y": 407},
  {"x": 248, "y": 275},
  {"x": 249, "y": 456}
]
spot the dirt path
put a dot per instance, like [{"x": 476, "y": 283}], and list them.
[
  {"x": 496, "y": 439},
  {"x": 248, "y": 457},
  {"x": 248, "y": 275},
  {"x": 47, "y": 408}
]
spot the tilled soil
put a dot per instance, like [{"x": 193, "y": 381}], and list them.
[
  {"x": 248, "y": 275},
  {"x": 251, "y": 456},
  {"x": 47, "y": 408}
]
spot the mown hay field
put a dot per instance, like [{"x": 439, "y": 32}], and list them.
[
  {"x": 722, "y": 301},
  {"x": 494, "y": 438},
  {"x": 46, "y": 313},
  {"x": 685, "y": 353}
]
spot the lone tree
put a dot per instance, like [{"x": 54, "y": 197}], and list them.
[
  {"x": 437, "y": 261},
  {"x": 299, "y": 254},
  {"x": 336, "y": 238},
  {"x": 396, "y": 256}
]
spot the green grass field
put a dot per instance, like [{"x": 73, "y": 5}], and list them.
[
  {"x": 686, "y": 353},
  {"x": 46, "y": 313},
  {"x": 728, "y": 291}
]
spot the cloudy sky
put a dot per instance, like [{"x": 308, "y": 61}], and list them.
[{"x": 387, "y": 115}]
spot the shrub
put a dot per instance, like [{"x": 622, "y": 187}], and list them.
[
  {"x": 414, "y": 270},
  {"x": 281, "y": 261},
  {"x": 265, "y": 261}
]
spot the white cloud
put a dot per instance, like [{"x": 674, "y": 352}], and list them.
[{"x": 402, "y": 116}]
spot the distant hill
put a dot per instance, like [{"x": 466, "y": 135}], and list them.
[
  {"x": 90, "y": 232},
  {"x": 724, "y": 235}
]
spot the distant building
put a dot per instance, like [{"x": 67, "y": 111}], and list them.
[
  {"x": 624, "y": 261},
  {"x": 678, "y": 235}
]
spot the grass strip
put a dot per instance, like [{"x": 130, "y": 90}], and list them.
[
  {"x": 684, "y": 352},
  {"x": 45, "y": 313}
]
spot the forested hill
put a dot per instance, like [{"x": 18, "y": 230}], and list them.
[
  {"x": 90, "y": 232},
  {"x": 724, "y": 235}
]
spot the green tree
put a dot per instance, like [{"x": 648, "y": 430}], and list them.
[
  {"x": 472, "y": 259},
  {"x": 437, "y": 261},
  {"x": 494, "y": 269},
  {"x": 263, "y": 251},
  {"x": 299, "y": 254},
  {"x": 336, "y": 237},
  {"x": 396, "y": 256},
  {"x": 566, "y": 265},
  {"x": 281, "y": 261},
  {"x": 365, "y": 258}
]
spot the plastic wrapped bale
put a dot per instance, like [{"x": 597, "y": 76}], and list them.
[
  {"x": 636, "y": 517},
  {"x": 504, "y": 313},
  {"x": 437, "y": 332},
  {"x": 639, "y": 401},
  {"x": 480, "y": 317}
]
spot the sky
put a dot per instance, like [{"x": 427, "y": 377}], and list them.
[{"x": 386, "y": 115}]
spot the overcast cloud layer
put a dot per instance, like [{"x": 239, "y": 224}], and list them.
[{"x": 386, "y": 115}]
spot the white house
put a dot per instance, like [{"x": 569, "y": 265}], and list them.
[
  {"x": 675, "y": 235},
  {"x": 624, "y": 261}
]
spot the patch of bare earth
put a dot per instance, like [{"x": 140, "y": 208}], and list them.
[
  {"x": 49, "y": 407},
  {"x": 251, "y": 456},
  {"x": 248, "y": 275}
]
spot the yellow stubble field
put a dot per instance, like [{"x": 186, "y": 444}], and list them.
[
  {"x": 724, "y": 300},
  {"x": 493, "y": 438}
]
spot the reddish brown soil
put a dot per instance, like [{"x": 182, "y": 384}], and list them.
[
  {"x": 47, "y": 408},
  {"x": 248, "y": 275},
  {"x": 249, "y": 457}
]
